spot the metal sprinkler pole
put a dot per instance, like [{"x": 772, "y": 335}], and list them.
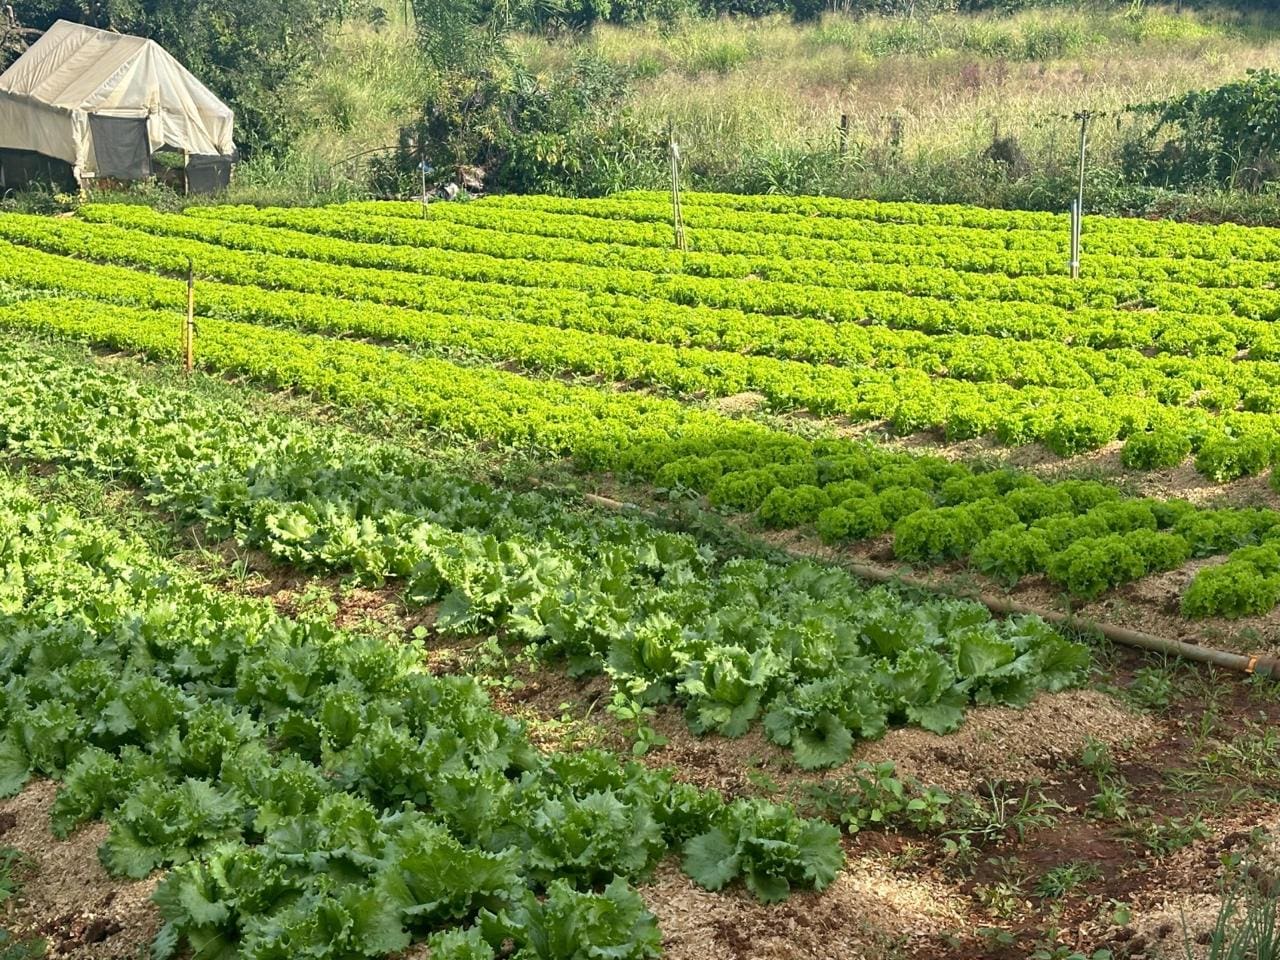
[{"x": 1084, "y": 116}]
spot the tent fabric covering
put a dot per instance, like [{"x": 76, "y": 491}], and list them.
[{"x": 75, "y": 72}]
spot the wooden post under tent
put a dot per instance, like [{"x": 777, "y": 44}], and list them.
[{"x": 98, "y": 106}]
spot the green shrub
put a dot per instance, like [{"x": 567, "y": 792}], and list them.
[
  {"x": 743, "y": 489},
  {"x": 1155, "y": 449},
  {"x": 1032, "y": 503},
  {"x": 1217, "y": 531},
  {"x": 902, "y": 475},
  {"x": 1159, "y": 551},
  {"x": 690, "y": 473},
  {"x": 898, "y": 502},
  {"x": 1087, "y": 494},
  {"x": 1092, "y": 565},
  {"x": 991, "y": 514},
  {"x": 979, "y": 486},
  {"x": 1077, "y": 431},
  {"x": 854, "y": 466},
  {"x": 1225, "y": 458},
  {"x": 1009, "y": 555},
  {"x": 1063, "y": 531},
  {"x": 1231, "y": 590},
  {"x": 930, "y": 536},
  {"x": 792, "y": 506},
  {"x": 1122, "y": 516},
  {"x": 852, "y": 520},
  {"x": 1265, "y": 558},
  {"x": 1169, "y": 513},
  {"x": 847, "y": 490}
]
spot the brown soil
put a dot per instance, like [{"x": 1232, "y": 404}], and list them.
[
  {"x": 867, "y": 913},
  {"x": 64, "y": 894}
]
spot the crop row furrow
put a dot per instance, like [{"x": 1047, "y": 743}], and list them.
[
  {"x": 793, "y": 337},
  {"x": 600, "y": 593},
  {"x": 864, "y": 353},
  {"x": 773, "y": 285},
  {"x": 938, "y": 511},
  {"x": 724, "y": 252},
  {"x": 321, "y": 789}
]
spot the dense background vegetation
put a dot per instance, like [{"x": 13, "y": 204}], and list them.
[{"x": 947, "y": 100}]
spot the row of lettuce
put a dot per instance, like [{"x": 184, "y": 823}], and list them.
[
  {"x": 1118, "y": 235},
  {"x": 806, "y": 648},
  {"x": 718, "y": 251},
  {"x": 1071, "y": 399},
  {"x": 715, "y": 228},
  {"x": 1083, "y": 535},
  {"x": 836, "y": 338},
  {"x": 762, "y": 285},
  {"x": 320, "y": 794}
]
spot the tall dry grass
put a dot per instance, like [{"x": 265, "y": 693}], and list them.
[{"x": 925, "y": 97}]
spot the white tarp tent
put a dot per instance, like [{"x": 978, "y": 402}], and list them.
[{"x": 104, "y": 102}]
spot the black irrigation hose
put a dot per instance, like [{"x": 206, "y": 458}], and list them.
[{"x": 1244, "y": 663}]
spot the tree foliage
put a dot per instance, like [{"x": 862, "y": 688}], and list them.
[
  {"x": 1228, "y": 136},
  {"x": 246, "y": 51}
]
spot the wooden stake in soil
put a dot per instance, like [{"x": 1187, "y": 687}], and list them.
[
  {"x": 189, "y": 327},
  {"x": 677, "y": 215},
  {"x": 844, "y": 135}
]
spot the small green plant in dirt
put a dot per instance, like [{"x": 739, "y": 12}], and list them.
[
  {"x": 1153, "y": 688},
  {"x": 1247, "y": 926},
  {"x": 1065, "y": 878},
  {"x": 636, "y": 716},
  {"x": 11, "y": 859},
  {"x": 997, "y": 938},
  {"x": 874, "y": 795},
  {"x": 1111, "y": 802},
  {"x": 1060, "y": 951},
  {"x": 1002, "y": 811},
  {"x": 1006, "y": 895},
  {"x": 491, "y": 665},
  {"x": 1252, "y": 754},
  {"x": 1118, "y": 914},
  {"x": 1095, "y": 756},
  {"x": 1164, "y": 836},
  {"x": 14, "y": 949}
]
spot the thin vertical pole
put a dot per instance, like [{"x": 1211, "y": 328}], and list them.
[
  {"x": 1084, "y": 117},
  {"x": 189, "y": 328},
  {"x": 1077, "y": 229},
  {"x": 422, "y": 169},
  {"x": 1075, "y": 239},
  {"x": 677, "y": 215},
  {"x": 844, "y": 135}
]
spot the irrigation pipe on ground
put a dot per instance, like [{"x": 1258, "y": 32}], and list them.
[{"x": 1245, "y": 663}]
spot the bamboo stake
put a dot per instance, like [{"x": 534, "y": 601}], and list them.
[
  {"x": 677, "y": 214},
  {"x": 189, "y": 327}
]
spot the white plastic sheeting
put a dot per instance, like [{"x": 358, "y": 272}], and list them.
[{"x": 74, "y": 71}]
